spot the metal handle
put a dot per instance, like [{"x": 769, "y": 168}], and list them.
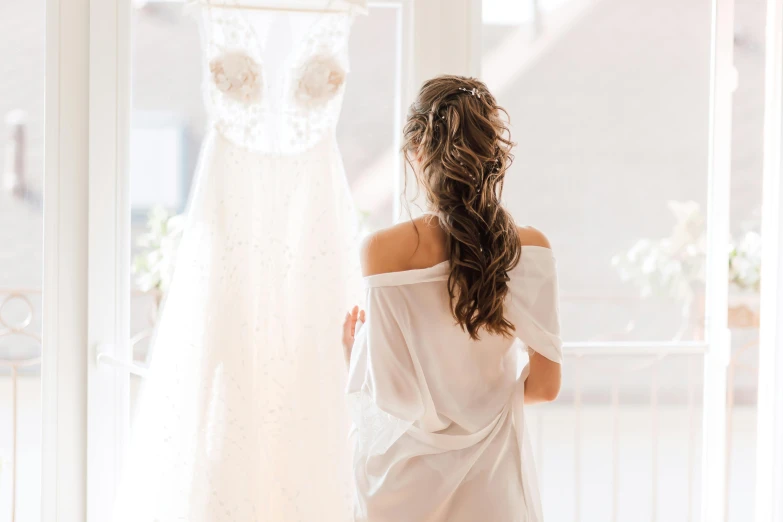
[{"x": 104, "y": 358}]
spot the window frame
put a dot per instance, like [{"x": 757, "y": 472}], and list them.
[
  {"x": 64, "y": 337},
  {"x": 769, "y": 424}
]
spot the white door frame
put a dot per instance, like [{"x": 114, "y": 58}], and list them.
[
  {"x": 716, "y": 359},
  {"x": 108, "y": 412},
  {"x": 64, "y": 349},
  {"x": 769, "y": 430}
]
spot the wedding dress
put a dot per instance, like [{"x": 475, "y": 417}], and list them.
[
  {"x": 242, "y": 417},
  {"x": 440, "y": 426}
]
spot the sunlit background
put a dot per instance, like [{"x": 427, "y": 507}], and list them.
[{"x": 609, "y": 106}]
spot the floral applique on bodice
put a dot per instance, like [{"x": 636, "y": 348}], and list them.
[{"x": 274, "y": 80}]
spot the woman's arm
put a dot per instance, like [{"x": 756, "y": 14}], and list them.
[{"x": 543, "y": 381}]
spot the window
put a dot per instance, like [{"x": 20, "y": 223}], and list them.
[{"x": 611, "y": 105}]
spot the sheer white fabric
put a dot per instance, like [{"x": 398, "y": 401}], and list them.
[
  {"x": 242, "y": 417},
  {"x": 439, "y": 419}
]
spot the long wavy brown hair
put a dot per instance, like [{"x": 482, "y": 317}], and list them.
[{"x": 458, "y": 142}]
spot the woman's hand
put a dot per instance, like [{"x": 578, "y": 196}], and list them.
[{"x": 349, "y": 331}]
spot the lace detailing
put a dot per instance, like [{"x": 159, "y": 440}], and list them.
[
  {"x": 266, "y": 105},
  {"x": 314, "y": 108}
]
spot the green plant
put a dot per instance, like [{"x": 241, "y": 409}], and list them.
[{"x": 153, "y": 266}]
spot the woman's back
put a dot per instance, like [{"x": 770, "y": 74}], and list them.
[{"x": 435, "y": 409}]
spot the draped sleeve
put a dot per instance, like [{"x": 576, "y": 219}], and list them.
[
  {"x": 534, "y": 306},
  {"x": 382, "y": 366}
]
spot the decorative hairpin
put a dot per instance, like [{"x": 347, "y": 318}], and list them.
[{"x": 472, "y": 92}]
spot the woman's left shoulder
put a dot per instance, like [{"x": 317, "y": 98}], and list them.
[{"x": 530, "y": 236}]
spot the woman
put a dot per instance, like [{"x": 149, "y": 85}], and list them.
[{"x": 439, "y": 372}]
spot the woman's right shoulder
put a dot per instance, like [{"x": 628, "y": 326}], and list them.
[{"x": 397, "y": 248}]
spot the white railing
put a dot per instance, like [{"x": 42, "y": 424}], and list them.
[
  {"x": 609, "y": 366},
  {"x": 631, "y": 369},
  {"x": 22, "y": 327}
]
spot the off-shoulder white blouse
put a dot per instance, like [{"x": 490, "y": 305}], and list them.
[{"x": 439, "y": 431}]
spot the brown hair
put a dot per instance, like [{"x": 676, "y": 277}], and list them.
[{"x": 458, "y": 136}]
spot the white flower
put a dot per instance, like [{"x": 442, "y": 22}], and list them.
[
  {"x": 690, "y": 223},
  {"x": 237, "y": 75},
  {"x": 675, "y": 265},
  {"x": 751, "y": 244},
  {"x": 745, "y": 262},
  {"x": 319, "y": 81},
  {"x": 638, "y": 249}
]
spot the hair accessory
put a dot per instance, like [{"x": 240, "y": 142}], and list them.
[
  {"x": 472, "y": 92},
  {"x": 437, "y": 114}
]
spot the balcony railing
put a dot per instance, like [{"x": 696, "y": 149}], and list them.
[{"x": 607, "y": 388}]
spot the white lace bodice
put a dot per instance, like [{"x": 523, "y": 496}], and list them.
[{"x": 274, "y": 80}]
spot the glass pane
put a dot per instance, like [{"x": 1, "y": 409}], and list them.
[
  {"x": 609, "y": 106},
  {"x": 168, "y": 122},
  {"x": 22, "y": 48},
  {"x": 367, "y": 132}
]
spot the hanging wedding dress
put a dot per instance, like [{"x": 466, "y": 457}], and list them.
[{"x": 242, "y": 416}]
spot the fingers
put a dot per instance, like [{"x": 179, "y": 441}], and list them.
[
  {"x": 349, "y": 330},
  {"x": 348, "y": 326},
  {"x": 354, "y": 318}
]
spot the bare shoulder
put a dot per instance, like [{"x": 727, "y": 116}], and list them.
[
  {"x": 530, "y": 236},
  {"x": 407, "y": 245}
]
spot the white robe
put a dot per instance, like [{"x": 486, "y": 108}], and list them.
[{"x": 439, "y": 418}]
